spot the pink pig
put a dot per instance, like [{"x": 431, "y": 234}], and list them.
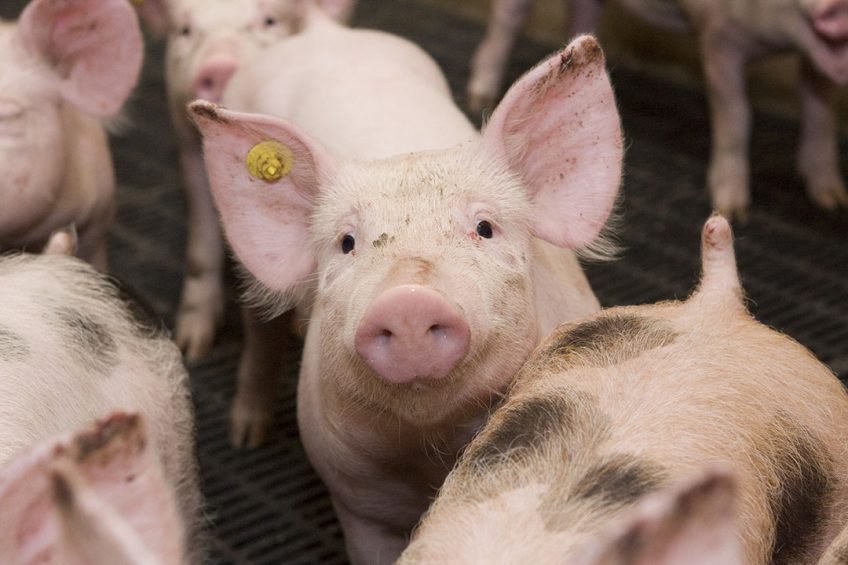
[
  {"x": 614, "y": 409},
  {"x": 729, "y": 34},
  {"x": 432, "y": 257},
  {"x": 66, "y": 65},
  {"x": 208, "y": 42},
  {"x": 97, "y": 496}
]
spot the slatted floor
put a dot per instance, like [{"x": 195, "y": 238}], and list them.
[{"x": 267, "y": 505}]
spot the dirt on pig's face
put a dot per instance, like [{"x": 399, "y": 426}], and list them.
[{"x": 450, "y": 222}]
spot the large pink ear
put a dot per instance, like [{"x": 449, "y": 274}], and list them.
[
  {"x": 693, "y": 523},
  {"x": 154, "y": 14},
  {"x": 97, "y": 496},
  {"x": 265, "y": 176},
  {"x": 94, "y": 46},
  {"x": 558, "y": 128}
]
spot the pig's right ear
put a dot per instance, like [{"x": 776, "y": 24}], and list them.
[
  {"x": 93, "y": 46},
  {"x": 693, "y": 523},
  {"x": 558, "y": 128},
  {"x": 154, "y": 14},
  {"x": 265, "y": 176}
]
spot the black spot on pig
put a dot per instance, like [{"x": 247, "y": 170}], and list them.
[
  {"x": 111, "y": 431},
  {"x": 523, "y": 427},
  {"x": 622, "y": 479},
  {"x": 618, "y": 481},
  {"x": 609, "y": 340},
  {"x": 800, "y": 505},
  {"x": 91, "y": 339},
  {"x": 13, "y": 347}
]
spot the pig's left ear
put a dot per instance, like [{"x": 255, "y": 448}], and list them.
[
  {"x": 94, "y": 46},
  {"x": 693, "y": 523},
  {"x": 558, "y": 128}
]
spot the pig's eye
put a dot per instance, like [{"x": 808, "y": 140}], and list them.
[
  {"x": 348, "y": 243},
  {"x": 484, "y": 229},
  {"x": 185, "y": 31},
  {"x": 269, "y": 21}
]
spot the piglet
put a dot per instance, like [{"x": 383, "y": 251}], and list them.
[
  {"x": 208, "y": 42},
  {"x": 614, "y": 409},
  {"x": 75, "y": 348},
  {"x": 729, "y": 34},
  {"x": 65, "y": 66},
  {"x": 432, "y": 257},
  {"x": 96, "y": 496}
]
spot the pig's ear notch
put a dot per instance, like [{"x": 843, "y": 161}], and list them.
[
  {"x": 265, "y": 176},
  {"x": 94, "y": 47},
  {"x": 693, "y": 523},
  {"x": 558, "y": 128}
]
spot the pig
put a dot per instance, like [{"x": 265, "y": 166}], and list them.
[
  {"x": 75, "y": 348},
  {"x": 729, "y": 34},
  {"x": 98, "y": 495},
  {"x": 430, "y": 258},
  {"x": 66, "y": 67},
  {"x": 613, "y": 408},
  {"x": 207, "y": 43}
]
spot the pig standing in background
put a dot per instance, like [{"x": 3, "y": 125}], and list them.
[
  {"x": 619, "y": 405},
  {"x": 432, "y": 258},
  {"x": 73, "y": 349},
  {"x": 96, "y": 497},
  {"x": 729, "y": 34},
  {"x": 65, "y": 66},
  {"x": 208, "y": 41}
]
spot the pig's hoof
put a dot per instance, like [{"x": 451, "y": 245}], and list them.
[
  {"x": 477, "y": 102},
  {"x": 195, "y": 332},
  {"x": 830, "y": 196},
  {"x": 249, "y": 427}
]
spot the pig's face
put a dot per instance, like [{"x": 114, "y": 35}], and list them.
[
  {"x": 209, "y": 40},
  {"x": 422, "y": 261},
  {"x": 451, "y": 223}
]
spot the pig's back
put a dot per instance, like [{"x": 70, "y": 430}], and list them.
[
  {"x": 364, "y": 94},
  {"x": 689, "y": 389}
]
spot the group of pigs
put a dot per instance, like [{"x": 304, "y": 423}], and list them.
[{"x": 453, "y": 348}]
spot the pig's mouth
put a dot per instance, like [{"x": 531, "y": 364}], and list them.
[{"x": 838, "y": 47}]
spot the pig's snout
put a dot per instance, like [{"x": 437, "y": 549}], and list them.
[
  {"x": 411, "y": 332},
  {"x": 212, "y": 78},
  {"x": 831, "y": 20}
]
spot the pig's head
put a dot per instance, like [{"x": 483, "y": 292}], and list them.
[
  {"x": 208, "y": 40},
  {"x": 86, "y": 54},
  {"x": 820, "y": 28},
  {"x": 422, "y": 261}
]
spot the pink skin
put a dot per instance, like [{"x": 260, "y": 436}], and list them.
[
  {"x": 206, "y": 47},
  {"x": 730, "y": 33},
  {"x": 411, "y": 332},
  {"x": 65, "y": 67},
  {"x": 95, "y": 496},
  {"x": 544, "y": 174}
]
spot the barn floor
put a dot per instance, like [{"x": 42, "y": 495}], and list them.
[{"x": 267, "y": 505}]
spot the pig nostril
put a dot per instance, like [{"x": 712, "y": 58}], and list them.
[
  {"x": 386, "y": 334},
  {"x": 207, "y": 83},
  {"x": 435, "y": 328}
]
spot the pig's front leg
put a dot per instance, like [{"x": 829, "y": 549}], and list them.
[
  {"x": 367, "y": 542},
  {"x": 490, "y": 59},
  {"x": 724, "y": 63},
  {"x": 267, "y": 344},
  {"x": 818, "y": 155},
  {"x": 91, "y": 246},
  {"x": 202, "y": 303}
]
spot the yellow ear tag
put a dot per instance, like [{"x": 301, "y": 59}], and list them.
[{"x": 269, "y": 161}]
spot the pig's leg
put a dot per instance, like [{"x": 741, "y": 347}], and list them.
[
  {"x": 490, "y": 60},
  {"x": 367, "y": 542},
  {"x": 727, "y": 177},
  {"x": 202, "y": 303},
  {"x": 818, "y": 155},
  {"x": 583, "y": 16},
  {"x": 91, "y": 244},
  {"x": 267, "y": 344}
]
